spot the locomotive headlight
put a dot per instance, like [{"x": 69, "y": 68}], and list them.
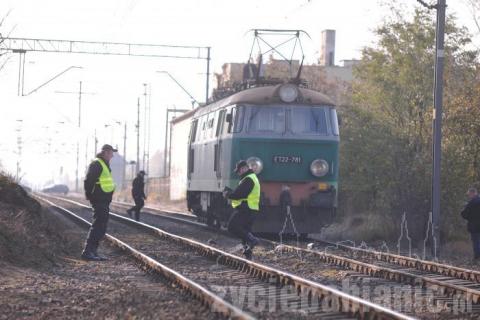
[
  {"x": 319, "y": 167},
  {"x": 288, "y": 93},
  {"x": 255, "y": 164}
]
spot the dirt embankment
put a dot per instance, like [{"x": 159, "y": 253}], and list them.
[
  {"x": 42, "y": 276},
  {"x": 27, "y": 232}
]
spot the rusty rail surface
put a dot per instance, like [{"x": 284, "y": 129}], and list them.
[
  {"x": 442, "y": 287},
  {"x": 419, "y": 264},
  {"x": 217, "y": 304},
  {"x": 340, "y": 301}
]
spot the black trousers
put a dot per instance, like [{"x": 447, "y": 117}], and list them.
[
  {"x": 139, "y": 203},
  {"x": 99, "y": 225},
  {"x": 476, "y": 244},
  {"x": 241, "y": 222}
]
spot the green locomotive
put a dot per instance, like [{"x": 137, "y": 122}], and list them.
[{"x": 289, "y": 135}]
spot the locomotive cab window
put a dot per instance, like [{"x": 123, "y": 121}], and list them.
[
  {"x": 193, "y": 131},
  {"x": 221, "y": 117},
  {"x": 200, "y": 128},
  {"x": 209, "y": 120},
  {"x": 309, "y": 120},
  {"x": 269, "y": 119},
  {"x": 234, "y": 119},
  {"x": 335, "y": 121}
]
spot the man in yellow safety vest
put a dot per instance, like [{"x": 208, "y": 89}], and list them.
[
  {"x": 245, "y": 202},
  {"x": 99, "y": 187}
]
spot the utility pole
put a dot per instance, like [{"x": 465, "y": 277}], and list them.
[
  {"x": 21, "y": 69},
  {"x": 149, "y": 127},
  {"x": 208, "y": 75},
  {"x": 138, "y": 135},
  {"x": 19, "y": 147},
  {"x": 86, "y": 153},
  {"x": 79, "y": 124},
  {"x": 166, "y": 145},
  {"x": 124, "y": 154},
  {"x": 96, "y": 141},
  {"x": 437, "y": 123},
  {"x": 147, "y": 184},
  {"x": 144, "y": 126},
  {"x": 80, "y": 93}
]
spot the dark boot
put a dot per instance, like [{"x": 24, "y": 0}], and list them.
[
  {"x": 252, "y": 240},
  {"x": 88, "y": 249},
  {"x": 247, "y": 252},
  {"x": 95, "y": 253},
  {"x": 89, "y": 256},
  {"x": 88, "y": 253},
  {"x": 129, "y": 212}
]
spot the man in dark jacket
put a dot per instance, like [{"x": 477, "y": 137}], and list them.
[
  {"x": 471, "y": 213},
  {"x": 245, "y": 202},
  {"x": 138, "y": 194},
  {"x": 99, "y": 187}
]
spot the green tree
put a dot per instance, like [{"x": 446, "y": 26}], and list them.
[{"x": 386, "y": 148}]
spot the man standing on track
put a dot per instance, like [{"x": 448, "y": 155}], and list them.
[
  {"x": 471, "y": 213},
  {"x": 138, "y": 194},
  {"x": 245, "y": 202},
  {"x": 99, "y": 187}
]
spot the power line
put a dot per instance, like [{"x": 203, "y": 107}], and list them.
[
  {"x": 105, "y": 48},
  {"x": 24, "y": 45}
]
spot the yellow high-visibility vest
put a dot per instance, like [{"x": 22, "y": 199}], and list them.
[
  {"x": 253, "y": 199},
  {"x": 106, "y": 179}
]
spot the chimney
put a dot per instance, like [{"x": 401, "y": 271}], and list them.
[{"x": 327, "y": 48}]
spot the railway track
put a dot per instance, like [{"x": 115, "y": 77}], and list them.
[
  {"x": 267, "y": 292},
  {"x": 406, "y": 261},
  {"x": 445, "y": 279},
  {"x": 207, "y": 298},
  {"x": 448, "y": 286},
  {"x": 438, "y": 295},
  {"x": 416, "y": 267}
]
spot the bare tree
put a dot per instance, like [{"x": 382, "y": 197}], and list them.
[
  {"x": 2, "y": 22},
  {"x": 4, "y": 57},
  {"x": 474, "y": 6}
]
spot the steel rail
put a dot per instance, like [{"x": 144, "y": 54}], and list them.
[
  {"x": 369, "y": 269},
  {"x": 334, "y": 298},
  {"x": 401, "y": 276},
  {"x": 158, "y": 210},
  {"x": 217, "y": 304},
  {"x": 419, "y": 264},
  {"x": 404, "y": 261}
]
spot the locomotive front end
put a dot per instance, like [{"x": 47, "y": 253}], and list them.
[{"x": 293, "y": 148}]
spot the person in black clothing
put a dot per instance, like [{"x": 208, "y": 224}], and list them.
[
  {"x": 471, "y": 213},
  {"x": 242, "y": 219},
  {"x": 138, "y": 194},
  {"x": 99, "y": 188}
]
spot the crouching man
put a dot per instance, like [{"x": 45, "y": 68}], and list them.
[{"x": 245, "y": 202}]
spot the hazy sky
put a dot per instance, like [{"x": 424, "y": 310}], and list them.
[{"x": 116, "y": 82}]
